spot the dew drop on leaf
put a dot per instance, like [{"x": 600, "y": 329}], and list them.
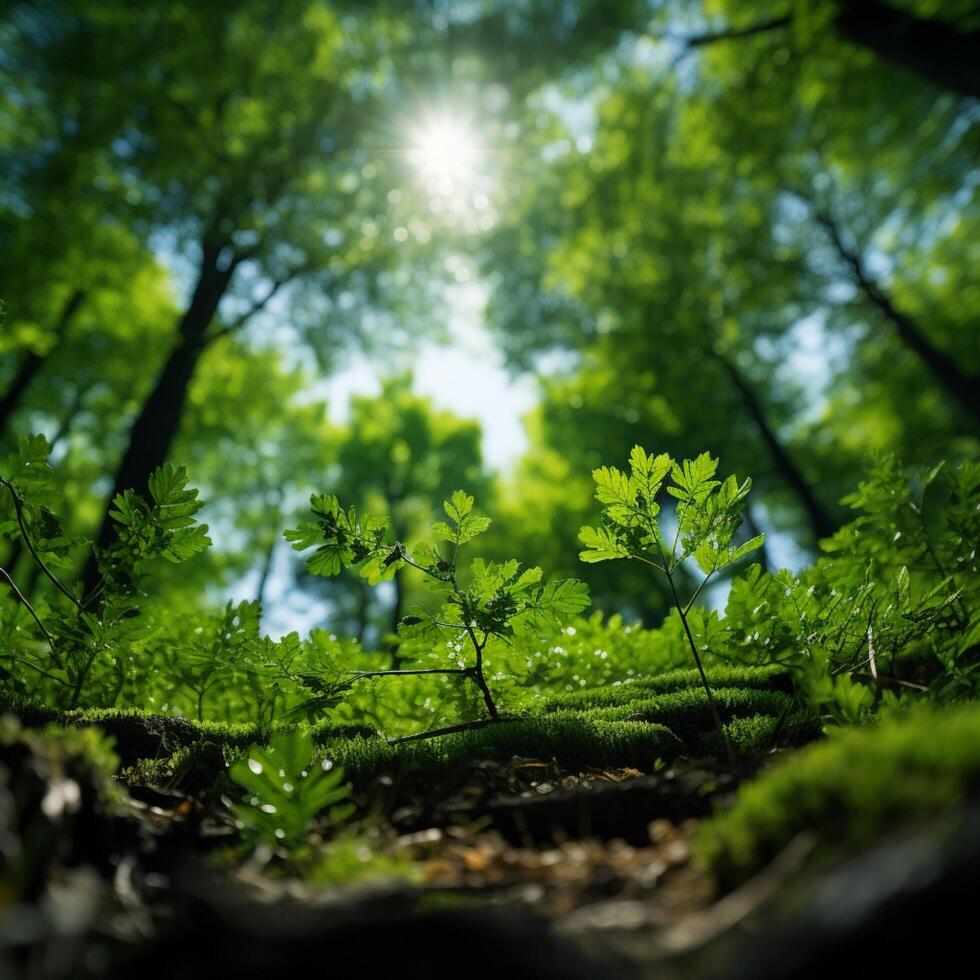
[{"x": 255, "y": 766}]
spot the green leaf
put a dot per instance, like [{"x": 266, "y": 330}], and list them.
[
  {"x": 329, "y": 559},
  {"x": 612, "y": 486},
  {"x": 287, "y": 789},
  {"x": 601, "y": 545},
  {"x": 471, "y": 526},
  {"x": 186, "y": 543},
  {"x": 468, "y": 525},
  {"x": 693, "y": 478},
  {"x": 458, "y": 506},
  {"x": 744, "y": 549},
  {"x": 443, "y": 531},
  {"x": 648, "y": 472},
  {"x": 554, "y": 605},
  {"x": 304, "y": 536}
]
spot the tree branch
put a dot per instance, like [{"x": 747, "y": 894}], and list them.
[
  {"x": 240, "y": 321},
  {"x": 18, "y": 511},
  {"x": 964, "y": 388},
  {"x": 729, "y": 33},
  {"x": 37, "y": 619},
  {"x": 466, "y": 726}
]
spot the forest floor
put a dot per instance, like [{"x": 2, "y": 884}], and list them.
[{"x": 517, "y": 865}]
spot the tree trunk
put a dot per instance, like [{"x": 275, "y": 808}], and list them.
[
  {"x": 71, "y": 413},
  {"x": 32, "y": 363},
  {"x": 155, "y": 428},
  {"x": 752, "y": 526},
  {"x": 265, "y": 573},
  {"x": 397, "y": 609},
  {"x": 948, "y": 57},
  {"x": 961, "y": 387},
  {"x": 817, "y": 516}
]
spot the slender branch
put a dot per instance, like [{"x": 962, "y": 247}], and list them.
[
  {"x": 478, "y": 673},
  {"x": 360, "y": 675},
  {"x": 959, "y": 384},
  {"x": 19, "y": 514},
  {"x": 243, "y": 318},
  {"x": 704, "y": 678},
  {"x": 44, "y": 673},
  {"x": 37, "y": 619},
  {"x": 728, "y": 33},
  {"x": 933, "y": 555},
  {"x": 422, "y": 568},
  {"x": 880, "y": 679},
  {"x": 652, "y": 564},
  {"x": 697, "y": 591},
  {"x": 466, "y": 726},
  {"x": 94, "y": 594},
  {"x": 784, "y": 715},
  {"x": 80, "y": 679},
  {"x": 677, "y": 532}
]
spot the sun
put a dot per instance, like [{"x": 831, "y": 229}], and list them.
[{"x": 446, "y": 153}]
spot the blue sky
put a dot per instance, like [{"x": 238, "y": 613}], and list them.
[{"x": 465, "y": 375}]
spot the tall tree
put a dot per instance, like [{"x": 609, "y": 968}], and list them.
[
  {"x": 684, "y": 282},
  {"x": 237, "y": 125}
]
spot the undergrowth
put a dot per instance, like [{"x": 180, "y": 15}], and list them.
[
  {"x": 849, "y": 790},
  {"x": 504, "y": 663}
]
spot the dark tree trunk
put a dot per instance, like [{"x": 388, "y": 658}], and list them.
[
  {"x": 817, "y": 516},
  {"x": 762, "y": 555},
  {"x": 32, "y": 363},
  {"x": 363, "y": 611},
  {"x": 155, "y": 428},
  {"x": 265, "y": 573},
  {"x": 397, "y": 609},
  {"x": 961, "y": 387},
  {"x": 948, "y": 57},
  {"x": 13, "y": 556}
]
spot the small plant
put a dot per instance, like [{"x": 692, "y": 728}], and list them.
[
  {"x": 495, "y": 600},
  {"x": 287, "y": 791},
  {"x": 79, "y": 630},
  {"x": 708, "y": 513},
  {"x": 890, "y": 588}
]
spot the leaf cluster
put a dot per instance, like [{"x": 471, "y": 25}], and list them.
[
  {"x": 707, "y": 514},
  {"x": 287, "y": 789},
  {"x": 501, "y": 599},
  {"x": 63, "y": 636}
]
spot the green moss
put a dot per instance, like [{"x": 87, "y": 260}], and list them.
[
  {"x": 755, "y": 735},
  {"x": 850, "y": 789},
  {"x": 627, "y": 726},
  {"x": 163, "y": 744},
  {"x": 687, "y": 713},
  {"x": 757, "y": 678},
  {"x": 573, "y": 740},
  {"x": 325, "y": 730}
]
